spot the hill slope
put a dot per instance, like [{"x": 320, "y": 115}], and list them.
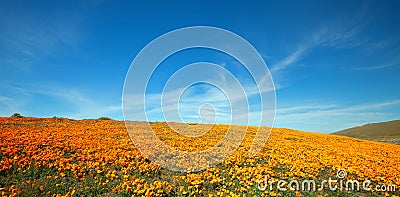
[
  {"x": 62, "y": 157},
  {"x": 382, "y": 131}
]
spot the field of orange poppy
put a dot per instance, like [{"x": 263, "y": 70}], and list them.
[{"x": 63, "y": 157}]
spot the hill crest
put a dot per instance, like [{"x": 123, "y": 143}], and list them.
[{"x": 382, "y": 131}]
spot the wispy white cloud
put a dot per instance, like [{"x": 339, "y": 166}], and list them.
[
  {"x": 13, "y": 101},
  {"x": 330, "y": 118},
  {"x": 27, "y": 38},
  {"x": 334, "y": 35},
  {"x": 71, "y": 102},
  {"x": 304, "y": 108},
  {"x": 374, "y": 45},
  {"x": 83, "y": 105},
  {"x": 341, "y": 35},
  {"x": 335, "y": 117},
  {"x": 97, "y": 110},
  {"x": 320, "y": 38},
  {"x": 4, "y": 99},
  {"x": 7, "y": 104},
  {"x": 289, "y": 60},
  {"x": 373, "y": 106},
  {"x": 377, "y": 67}
]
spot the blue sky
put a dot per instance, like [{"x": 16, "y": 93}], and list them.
[{"x": 335, "y": 64}]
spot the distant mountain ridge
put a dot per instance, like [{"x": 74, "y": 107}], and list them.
[{"x": 382, "y": 131}]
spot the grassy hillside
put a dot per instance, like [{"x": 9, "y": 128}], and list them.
[
  {"x": 62, "y": 157},
  {"x": 382, "y": 131}
]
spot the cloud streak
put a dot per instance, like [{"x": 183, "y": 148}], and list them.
[
  {"x": 289, "y": 60},
  {"x": 72, "y": 102},
  {"x": 27, "y": 38},
  {"x": 326, "y": 36},
  {"x": 378, "y": 67},
  {"x": 319, "y": 117}
]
